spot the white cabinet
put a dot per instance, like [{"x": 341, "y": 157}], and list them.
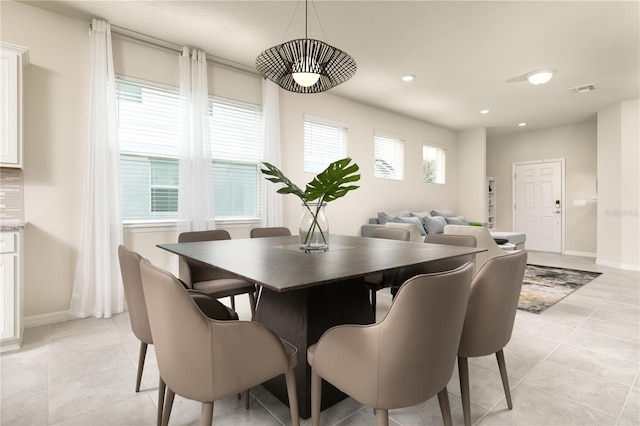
[
  {"x": 12, "y": 60},
  {"x": 11, "y": 325},
  {"x": 491, "y": 202}
]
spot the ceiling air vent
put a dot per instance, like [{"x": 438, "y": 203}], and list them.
[{"x": 583, "y": 89}]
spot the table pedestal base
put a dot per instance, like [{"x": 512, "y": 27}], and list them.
[{"x": 301, "y": 317}]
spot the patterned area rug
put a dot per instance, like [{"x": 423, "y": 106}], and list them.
[{"x": 544, "y": 286}]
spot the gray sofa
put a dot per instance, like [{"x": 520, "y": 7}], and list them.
[{"x": 433, "y": 221}]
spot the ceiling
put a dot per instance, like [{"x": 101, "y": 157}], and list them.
[{"x": 466, "y": 56}]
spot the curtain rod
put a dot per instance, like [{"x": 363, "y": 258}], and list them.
[{"x": 173, "y": 47}]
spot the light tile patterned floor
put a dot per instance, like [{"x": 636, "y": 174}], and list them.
[{"x": 575, "y": 364}]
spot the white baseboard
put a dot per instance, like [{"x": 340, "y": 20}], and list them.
[
  {"x": 580, "y": 253},
  {"x": 625, "y": 266},
  {"x": 46, "y": 319}
]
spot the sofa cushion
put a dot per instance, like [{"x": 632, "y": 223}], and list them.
[
  {"x": 421, "y": 214},
  {"x": 443, "y": 213},
  {"x": 456, "y": 220},
  {"x": 434, "y": 225},
  {"x": 412, "y": 220},
  {"x": 388, "y": 217}
]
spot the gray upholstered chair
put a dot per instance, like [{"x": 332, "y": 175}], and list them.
[
  {"x": 134, "y": 294},
  {"x": 403, "y": 360},
  {"x": 483, "y": 239},
  {"x": 438, "y": 265},
  {"x": 210, "y": 280},
  {"x": 271, "y": 231},
  {"x": 382, "y": 280},
  {"x": 488, "y": 323},
  {"x": 207, "y": 360}
]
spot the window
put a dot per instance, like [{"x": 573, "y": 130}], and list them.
[
  {"x": 433, "y": 164},
  {"x": 324, "y": 143},
  {"x": 150, "y": 126},
  {"x": 389, "y": 157}
]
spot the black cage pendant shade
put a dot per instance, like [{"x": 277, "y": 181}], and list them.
[{"x": 306, "y": 65}]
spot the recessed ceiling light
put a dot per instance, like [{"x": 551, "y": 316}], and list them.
[
  {"x": 522, "y": 124},
  {"x": 408, "y": 77},
  {"x": 540, "y": 76},
  {"x": 484, "y": 111}
]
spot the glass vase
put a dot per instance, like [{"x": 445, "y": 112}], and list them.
[{"x": 314, "y": 228}]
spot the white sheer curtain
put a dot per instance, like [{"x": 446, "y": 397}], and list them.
[
  {"x": 97, "y": 289},
  {"x": 271, "y": 201},
  {"x": 195, "y": 192}
]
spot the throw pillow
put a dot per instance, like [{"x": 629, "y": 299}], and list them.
[
  {"x": 421, "y": 214},
  {"x": 443, "y": 213},
  {"x": 412, "y": 220},
  {"x": 434, "y": 225},
  {"x": 388, "y": 217},
  {"x": 457, "y": 220}
]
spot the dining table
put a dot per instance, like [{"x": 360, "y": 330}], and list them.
[{"x": 303, "y": 294}]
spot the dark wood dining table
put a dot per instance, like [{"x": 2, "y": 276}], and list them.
[{"x": 304, "y": 294}]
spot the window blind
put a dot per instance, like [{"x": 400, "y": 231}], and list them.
[
  {"x": 389, "y": 157},
  {"x": 150, "y": 131},
  {"x": 324, "y": 143},
  {"x": 433, "y": 164}
]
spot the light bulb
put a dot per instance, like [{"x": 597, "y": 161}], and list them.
[
  {"x": 306, "y": 79},
  {"x": 306, "y": 72},
  {"x": 540, "y": 77}
]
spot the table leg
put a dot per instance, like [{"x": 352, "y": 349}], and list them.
[{"x": 300, "y": 317}]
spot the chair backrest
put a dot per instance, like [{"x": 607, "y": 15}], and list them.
[
  {"x": 201, "y": 358},
  {"x": 413, "y": 231},
  {"x": 272, "y": 231},
  {"x": 134, "y": 294},
  {"x": 392, "y": 234},
  {"x": 420, "y": 335},
  {"x": 483, "y": 240},
  {"x": 190, "y": 271},
  {"x": 493, "y": 302},
  {"x": 452, "y": 240}
]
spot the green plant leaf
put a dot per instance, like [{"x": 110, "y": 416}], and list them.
[
  {"x": 279, "y": 177},
  {"x": 330, "y": 184}
]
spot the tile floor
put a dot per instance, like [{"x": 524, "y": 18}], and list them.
[{"x": 575, "y": 364}]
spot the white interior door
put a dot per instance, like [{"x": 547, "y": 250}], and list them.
[{"x": 538, "y": 205}]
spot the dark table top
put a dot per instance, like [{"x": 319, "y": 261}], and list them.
[{"x": 278, "y": 264}]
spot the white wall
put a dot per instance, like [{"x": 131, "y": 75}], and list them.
[
  {"x": 577, "y": 144},
  {"x": 56, "y": 105},
  {"x": 619, "y": 185},
  {"x": 471, "y": 171}
]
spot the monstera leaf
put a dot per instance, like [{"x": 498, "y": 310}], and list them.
[{"x": 332, "y": 183}]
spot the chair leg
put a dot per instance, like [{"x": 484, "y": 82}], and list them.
[
  {"x": 206, "y": 418},
  {"x": 252, "y": 303},
  {"x": 463, "y": 370},
  {"x": 168, "y": 405},
  {"x": 292, "y": 391},
  {"x": 445, "y": 408},
  {"x": 233, "y": 302},
  {"x": 246, "y": 399},
  {"x": 316, "y": 393},
  {"x": 505, "y": 379},
  {"x": 382, "y": 417},
  {"x": 374, "y": 301},
  {"x": 141, "y": 357},
  {"x": 161, "y": 391}
]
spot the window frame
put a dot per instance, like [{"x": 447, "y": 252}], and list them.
[
  {"x": 441, "y": 163},
  {"x": 170, "y": 224},
  {"x": 322, "y": 163},
  {"x": 398, "y": 148}
]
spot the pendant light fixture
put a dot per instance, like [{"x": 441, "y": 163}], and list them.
[{"x": 306, "y": 65}]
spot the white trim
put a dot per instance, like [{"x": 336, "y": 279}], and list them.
[
  {"x": 563, "y": 189},
  {"x": 625, "y": 266},
  {"x": 10, "y": 345},
  {"x": 46, "y": 319},
  {"x": 580, "y": 253},
  {"x": 327, "y": 121}
]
